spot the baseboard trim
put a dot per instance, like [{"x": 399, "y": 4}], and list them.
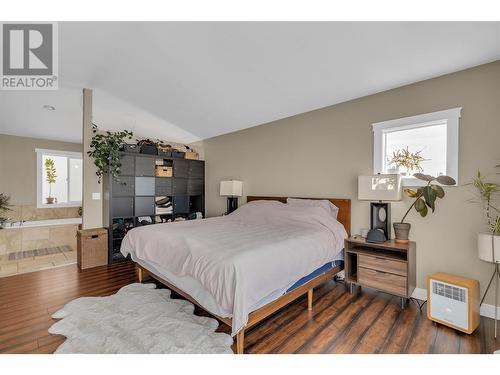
[
  {"x": 420, "y": 294},
  {"x": 489, "y": 311},
  {"x": 486, "y": 310}
]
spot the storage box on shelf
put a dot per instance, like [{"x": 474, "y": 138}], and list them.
[
  {"x": 165, "y": 151},
  {"x": 164, "y": 171},
  {"x": 143, "y": 179},
  {"x": 131, "y": 148},
  {"x": 191, "y": 155},
  {"x": 178, "y": 154},
  {"x": 149, "y": 149}
]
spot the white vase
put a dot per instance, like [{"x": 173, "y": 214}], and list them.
[
  {"x": 394, "y": 170},
  {"x": 488, "y": 247}
]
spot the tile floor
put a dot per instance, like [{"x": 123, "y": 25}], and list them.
[{"x": 14, "y": 267}]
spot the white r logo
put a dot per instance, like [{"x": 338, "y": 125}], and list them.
[{"x": 18, "y": 52}]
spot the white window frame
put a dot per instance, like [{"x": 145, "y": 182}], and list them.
[
  {"x": 450, "y": 116},
  {"x": 40, "y": 176}
]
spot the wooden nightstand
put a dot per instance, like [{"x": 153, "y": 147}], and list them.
[{"x": 388, "y": 266}]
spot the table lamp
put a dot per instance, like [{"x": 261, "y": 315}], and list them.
[
  {"x": 232, "y": 190},
  {"x": 381, "y": 188}
]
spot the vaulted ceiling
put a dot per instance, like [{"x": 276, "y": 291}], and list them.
[{"x": 190, "y": 81}]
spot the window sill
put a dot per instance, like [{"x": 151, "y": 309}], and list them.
[
  {"x": 59, "y": 205},
  {"x": 408, "y": 182},
  {"x": 412, "y": 182}
]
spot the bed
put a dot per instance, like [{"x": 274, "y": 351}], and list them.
[{"x": 243, "y": 267}]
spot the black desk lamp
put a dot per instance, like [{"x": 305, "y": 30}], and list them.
[{"x": 381, "y": 188}]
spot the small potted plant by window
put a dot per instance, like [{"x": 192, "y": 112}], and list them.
[
  {"x": 50, "y": 174},
  {"x": 4, "y": 207},
  {"x": 410, "y": 161},
  {"x": 425, "y": 198}
]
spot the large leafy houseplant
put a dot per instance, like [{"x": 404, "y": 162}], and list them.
[
  {"x": 4, "y": 207},
  {"x": 105, "y": 149},
  {"x": 50, "y": 177},
  {"x": 425, "y": 197}
]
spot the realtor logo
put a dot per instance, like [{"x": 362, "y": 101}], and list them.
[{"x": 29, "y": 56}]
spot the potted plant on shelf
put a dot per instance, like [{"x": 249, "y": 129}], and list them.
[
  {"x": 488, "y": 242},
  {"x": 424, "y": 198},
  {"x": 411, "y": 161},
  {"x": 50, "y": 174},
  {"x": 4, "y": 207},
  {"x": 105, "y": 149}
]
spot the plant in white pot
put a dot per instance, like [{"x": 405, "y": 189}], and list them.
[
  {"x": 425, "y": 198},
  {"x": 488, "y": 244},
  {"x": 487, "y": 192}
]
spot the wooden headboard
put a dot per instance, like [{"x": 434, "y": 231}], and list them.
[{"x": 344, "y": 206}]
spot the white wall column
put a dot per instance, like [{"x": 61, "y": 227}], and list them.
[{"x": 92, "y": 190}]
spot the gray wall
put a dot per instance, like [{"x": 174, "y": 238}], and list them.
[
  {"x": 321, "y": 153},
  {"x": 18, "y": 165}
]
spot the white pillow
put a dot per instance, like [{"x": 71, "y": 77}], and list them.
[{"x": 326, "y": 204}]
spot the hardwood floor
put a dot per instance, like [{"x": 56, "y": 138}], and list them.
[{"x": 369, "y": 322}]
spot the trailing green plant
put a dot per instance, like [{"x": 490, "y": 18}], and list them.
[
  {"x": 488, "y": 191},
  {"x": 50, "y": 174},
  {"x": 105, "y": 149},
  {"x": 426, "y": 196},
  {"x": 410, "y": 160}
]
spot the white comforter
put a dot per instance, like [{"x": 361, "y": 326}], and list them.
[{"x": 243, "y": 257}]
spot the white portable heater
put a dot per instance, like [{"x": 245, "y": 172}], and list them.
[{"x": 453, "y": 301}]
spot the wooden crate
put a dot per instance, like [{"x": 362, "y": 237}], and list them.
[
  {"x": 92, "y": 248},
  {"x": 163, "y": 171},
  {"x": 191, "y": 155}
]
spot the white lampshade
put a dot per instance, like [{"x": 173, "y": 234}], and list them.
[
  {"x": 231, "y": 188},
  {"x": 380, "y": 187},
  {"x": 488, "y": 247}
]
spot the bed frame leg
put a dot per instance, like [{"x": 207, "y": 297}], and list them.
[
  {"x": 139, "y": 274},
  {"x": 240, "y": 341},
  {"x": 310, "y": 299}
]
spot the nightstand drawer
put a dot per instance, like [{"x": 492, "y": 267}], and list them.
[
  {"x": 383, "y": 264},
  {"x": 384, "y": 281}
]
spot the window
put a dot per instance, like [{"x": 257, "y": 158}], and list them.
[
  {"x": 433, "y": 137},
  {"x": 65, "y": 190}
]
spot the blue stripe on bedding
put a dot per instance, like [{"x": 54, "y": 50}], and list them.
[{"x": 319, "y": 271}]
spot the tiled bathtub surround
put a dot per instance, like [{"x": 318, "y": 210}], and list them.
[
  {"x": 22, "y": 239},
  {"x": 30, "y": 212},
  {"x": 31, "y": 264},
  {"x": 25, "y": 239}
]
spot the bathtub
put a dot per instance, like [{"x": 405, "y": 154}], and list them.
[{"x": 43, "y": 223}]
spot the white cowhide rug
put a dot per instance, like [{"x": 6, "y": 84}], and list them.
[{"x": 137, "y": 319}]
